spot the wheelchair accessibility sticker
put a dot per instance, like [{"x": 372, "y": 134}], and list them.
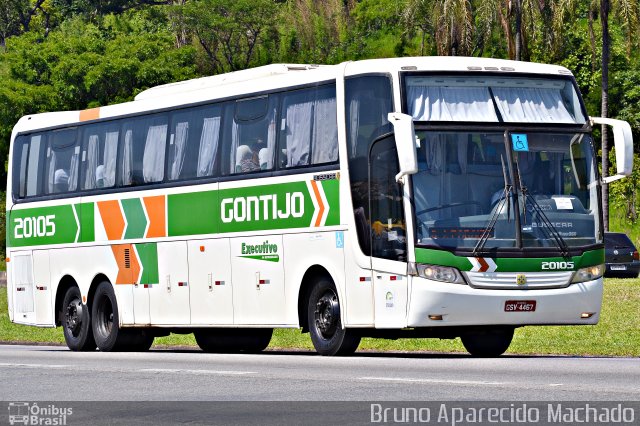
[
  {"x": 520, "y": 142},
  {"x": 339, "y": 239}
]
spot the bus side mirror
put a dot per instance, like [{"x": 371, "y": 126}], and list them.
[
  {"x": 405, "y": 137},
  {"x": 623, "y": 141}
]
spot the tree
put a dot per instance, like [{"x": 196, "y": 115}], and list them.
[{"x": 229, "y": 31}]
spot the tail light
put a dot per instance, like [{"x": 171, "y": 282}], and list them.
[{"x": 635, "y": 255}]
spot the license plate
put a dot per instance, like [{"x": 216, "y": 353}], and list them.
[
  {"x": 618, "y": 267},
  {"x": 520, "y": 306}
]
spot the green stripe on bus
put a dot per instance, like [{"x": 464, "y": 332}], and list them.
[
  {"x": 136, "y": 220},
  {"x": 445, "y": 258},
  {"x": 148, "y": 253},
  {"x": 85, "y": 213},
  {"x": 332, "y": 192},
  {"x": 192, "y": 213},
  {"x": 41, "y": 226},
  {"x": 265, "y": 207}
]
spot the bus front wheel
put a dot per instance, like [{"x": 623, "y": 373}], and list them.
[
  {"x": 325, "y": 322},
  {"x": 76, "y": 322},
  {"x": 487, "y": 343}
]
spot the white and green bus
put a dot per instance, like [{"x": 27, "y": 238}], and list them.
[{"x": 407, "y": 197}]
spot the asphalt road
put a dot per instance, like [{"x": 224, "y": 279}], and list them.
[{"x": 57, "y": 374}]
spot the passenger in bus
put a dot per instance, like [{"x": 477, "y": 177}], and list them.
[
  {"x": 100, "y": 176},
  {"x": 60, "y": 181},
  {"x": 245, "y": 160}
]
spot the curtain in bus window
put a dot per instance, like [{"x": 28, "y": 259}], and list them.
[
  {"x": 127, "y": 158},
  {"x": 179, "y": 141},
  {"x": 432, "y": 103},
  {"x": 34, "y": 166},
  {"x": 51, "y": 175},
  {"x": 73, "y": 169},
  {"x": 325, "y": 132},
  {"x": 265, "y": 155},
  {"x": 22, "y": 169},
  {"x": 109, "y": 161},
  {"x": 532, "y": 105},
  {"x": 298, "y": 132},
  {"x": 208, "y": 146},
  {"x": 91, "y": 163},
  {"x": 153, "y": 157}
]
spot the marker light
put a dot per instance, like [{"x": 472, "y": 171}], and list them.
[
  {"x": 588, "y": 274},
  {"x": 440, "y": 273}
]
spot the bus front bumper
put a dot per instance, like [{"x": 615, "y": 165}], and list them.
[{"x": 434, "y": 304}]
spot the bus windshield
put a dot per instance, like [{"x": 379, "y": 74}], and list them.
[{"x": 471, "y": 185}]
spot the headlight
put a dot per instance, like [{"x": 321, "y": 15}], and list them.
[
  {"x": 588, "y": 274},
  {"x": 440, "y": 273}
]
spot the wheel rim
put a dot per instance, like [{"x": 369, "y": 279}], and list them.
[
  {"x": 104, "y": 317},
  {"x": 73, "y": 317},
  {"x": 327, "y": 314}
]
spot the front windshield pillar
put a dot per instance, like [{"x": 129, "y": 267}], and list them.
[{"x": 515, "y": 178}]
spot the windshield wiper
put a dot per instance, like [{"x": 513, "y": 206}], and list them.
[
  {"x": 506, "y": 198},
  {"x": 549, "y": 229}
]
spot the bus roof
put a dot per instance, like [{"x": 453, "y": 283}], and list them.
[{"x": 272, "y": 77}]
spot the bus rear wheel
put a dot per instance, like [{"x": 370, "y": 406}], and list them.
[
  {"x": 487, "y": 343},
  {"x": 76, "y": 322},
  {"x": 107, "y": 333},
  {"x": 325, "y": 322},
  {"x": 232, "y": 340}
]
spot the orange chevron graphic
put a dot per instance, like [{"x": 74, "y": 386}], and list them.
[
  {"x": 128, "y": 263},
  {"x": 314, "y": 185},
  {"x": 112, "y": 218},
  {"x": 155, "y": 207}
]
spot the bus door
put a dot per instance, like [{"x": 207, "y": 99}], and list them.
[{"x": 388, "y": 236}]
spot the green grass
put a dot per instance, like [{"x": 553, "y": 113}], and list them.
[
  {"x": 617, "y": 334},
  {"x": 619, "y": 223}
]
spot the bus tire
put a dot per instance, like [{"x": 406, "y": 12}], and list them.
[
  {"x": 488, "y": 343},
  {"x": 76, "y": 322},
  {"x": 233, "y": 340},
  {"x": 107, "y": 333},
  {"x": 325, "y": 322}
]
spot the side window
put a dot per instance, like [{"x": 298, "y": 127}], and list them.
[
  {"x": 194, "y": 142},
  {"x": 19, "y": 164},
  {"x": 99, "y": 153},
  {"x": 62, "y": 161},
  {"x": 142, "y": 150},
  {"x": 368, "y": 101},
  {"x": 309, "y": 132},
  {"x": 253, "y": 134}
]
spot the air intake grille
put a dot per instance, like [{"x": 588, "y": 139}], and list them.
[
  {"x": 127, "y": 259},
  {"x": 509, "y": 280}
]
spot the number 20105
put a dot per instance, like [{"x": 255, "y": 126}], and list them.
[{"x": 39, "y": 226}]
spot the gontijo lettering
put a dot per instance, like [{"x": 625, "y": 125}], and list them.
[{"x": 264, "y": 207}]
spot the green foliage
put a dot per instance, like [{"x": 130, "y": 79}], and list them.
[{"x": 228, "y": 31}]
